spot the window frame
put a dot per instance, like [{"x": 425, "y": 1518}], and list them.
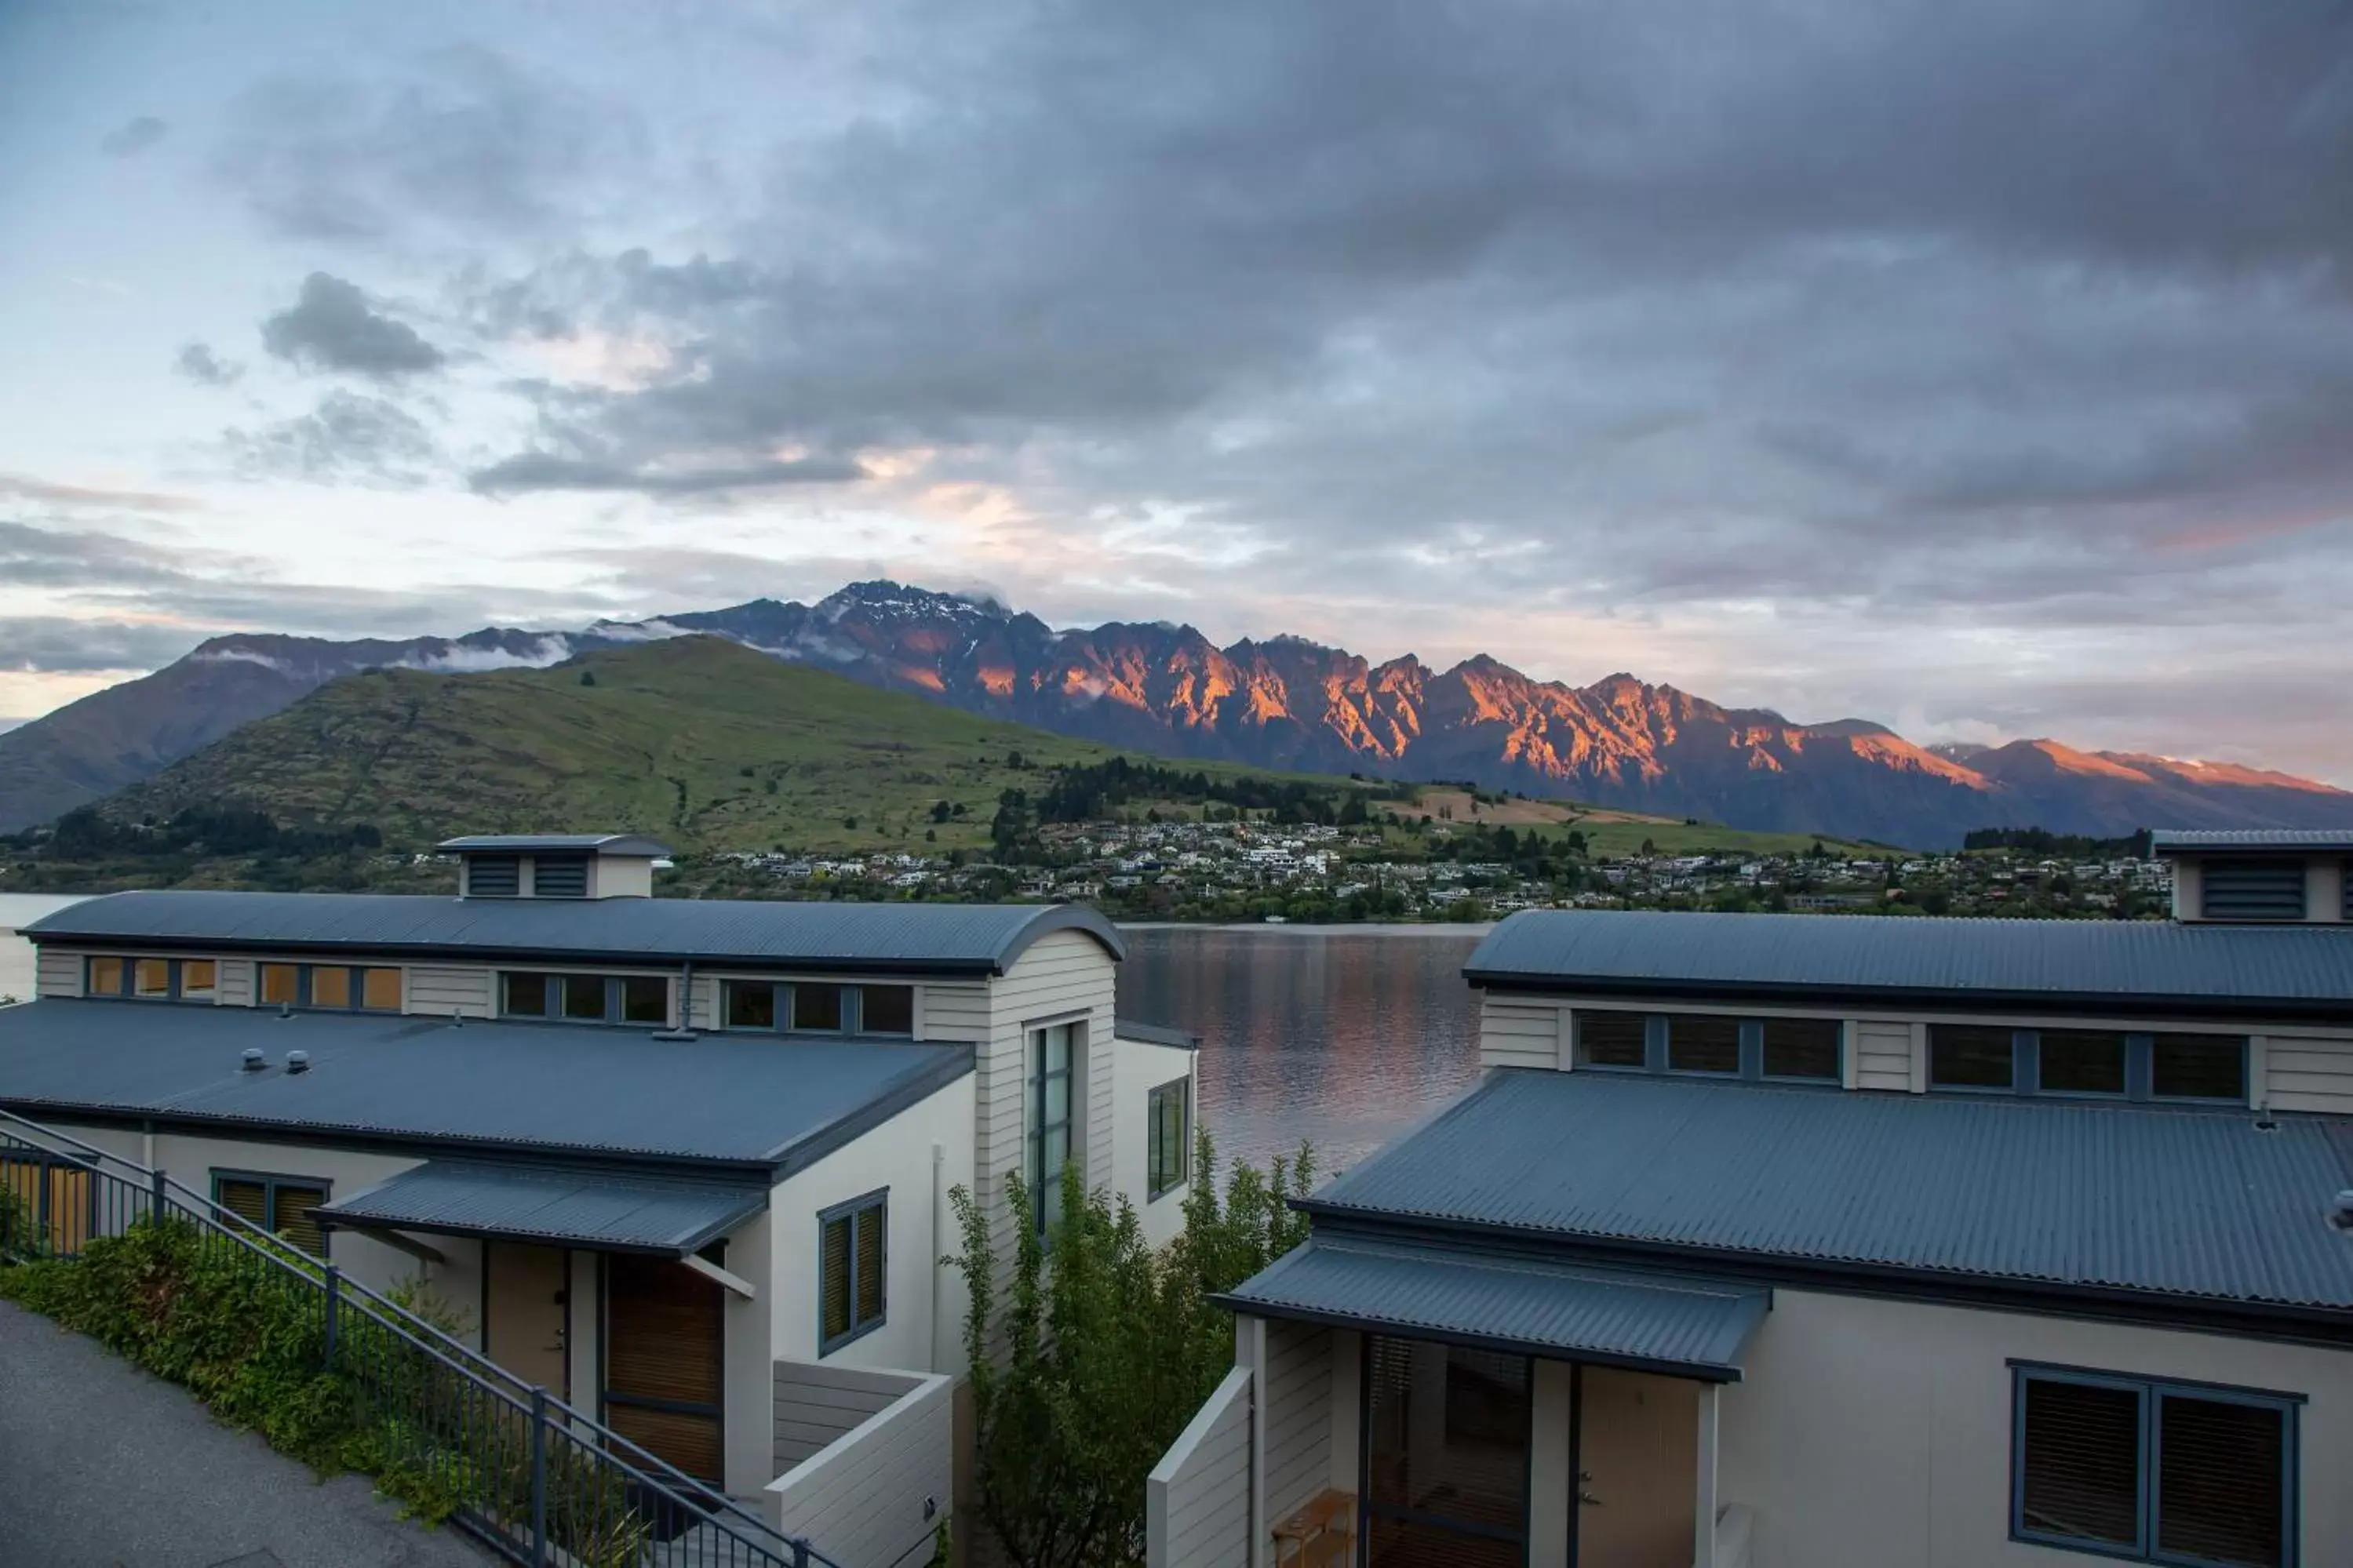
[
  {"x": 1159, "y": 1179},
  {"x": 269, "y": 1183},
  {"x": 2140, "y": 1049},
  {"x": 2152, "y": 1391},
  {"x": 175, "y": 989},
  {"x": 854, "y": 1210},
  {"x": 1658, "y": 1043},
  {"x": 1036, "y": 1080},
  {"x": 782, "y": 993},
  {"x": 615, "y": 993}
]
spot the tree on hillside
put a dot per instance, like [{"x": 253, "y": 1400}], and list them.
[{"x": 1084, "y": 1372}]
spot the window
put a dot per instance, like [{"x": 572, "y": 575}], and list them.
[
  {"x": 279, "y": 1205},
  {"x": 153, "y": 979},
  {"x": 2153, "y": 1471},
  {"x": 1049, "y": 1141},
  {"x": 1168, "y": 1137},
  {"x": 1696, "y": 1044},
  {"x": 2078, "y": 1061},
  {"x": 886, "y": 1009},
  {"x": 750, "y": 1005},
  {"x": 560, "y": 877},
  {"x": 816, "y": 1009},
  {"x": 281, "y": 985},
  {"x": 851, "y": 1272},
  {"x": 1611, "y": 1039},
  {"x": 2251, "y": 889},
  {"x": 1964, "y": 1056},
  {"x": 586, "y": 998},
  {"x": 2197, "y": 1066},
  {"x": 331, "y": 987},
  {"x": 1802, "y": 1048},
  {"x": 380, "y": 990}
]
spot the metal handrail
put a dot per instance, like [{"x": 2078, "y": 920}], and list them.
[{"x": 676, "y": 1489}]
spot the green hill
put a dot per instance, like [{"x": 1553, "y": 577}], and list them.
[{"x": 697, "y": 741}]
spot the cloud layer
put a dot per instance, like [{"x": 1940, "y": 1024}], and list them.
[{"x": 333, "y": 327}]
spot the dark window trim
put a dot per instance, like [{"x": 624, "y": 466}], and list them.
[
  {"x": 1034, "y": 1080},
  {"x": 2140, "y": 1047},
  {"x": 1155, "y": 1188},
  {"x": 853, "y": 1009},
  {"x": 270, "y": 1180},
  {"x": 2152, "y": 1391},
  {"x": 554, "y": 1013},
  {"x": 854, "y": 1210},
  {"x": 1657, "y": 1030}
]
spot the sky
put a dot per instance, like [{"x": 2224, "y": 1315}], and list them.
[{"x": 1984, "y": 370}]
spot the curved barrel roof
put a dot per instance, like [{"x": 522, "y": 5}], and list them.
[{"x": 850, "y": 938}]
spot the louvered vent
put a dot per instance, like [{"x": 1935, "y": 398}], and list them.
[
  {"x": 493, "y": 876},
  {"x": 2253, "y": 889},
  {"x": 560, "y": 877}
]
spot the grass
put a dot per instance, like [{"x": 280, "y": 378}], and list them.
[{"x": 1609, "y": 831}]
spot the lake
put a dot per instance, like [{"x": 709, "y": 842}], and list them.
[{"x": 1341, "y": 1037}]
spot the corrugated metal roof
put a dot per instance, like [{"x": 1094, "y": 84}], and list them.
[
  {"x": 1696, "y": 1328},
  {"x": 524, "y": 843},
  {"x": 645, "y": 1214},
  {"x": 843, "y": 937},
  {"x": 775, "y": 1099},
  {"x": 2185, "y": 1203},
  {"x": 2323, "y": 838},
  {"x": 1153, "y": 1034},
  {"x": 2303, "y": 969}
]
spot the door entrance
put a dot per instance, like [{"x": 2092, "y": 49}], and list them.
[
  {"x": 1446, "y": 1455},
  {"x": 664, "y": 1349},
  {"x": 527, "y": 1315}
]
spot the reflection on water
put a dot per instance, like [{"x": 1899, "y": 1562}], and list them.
[{"x": 1339, "y": 1037}]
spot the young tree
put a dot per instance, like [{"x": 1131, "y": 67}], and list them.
[{"x": 1099, "y": 1349}]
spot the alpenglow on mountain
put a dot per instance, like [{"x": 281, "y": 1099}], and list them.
[{"x": 1284, "y": 702}]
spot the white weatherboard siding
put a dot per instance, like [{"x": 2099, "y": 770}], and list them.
[
  {"x": 1141, "y": 1068},
  {"x": 1873, "y": 1433},
  {"x": 922, "y": 1301},
  {"x": 1882, "y": 1053},
  {"x": 952, "y": 1010},
  {"x": 816, "y": 1404},
  {"x": 236, "y": 983},
  {"x": 59, "y": 974},
  {"x": 1065, "y": 978},
  {"x": 1196, "y": 1500},
  {"x": 459, "y": 991},
  {"x": 2308, "y": 1073},
  {"x": 1521, "y": 1034},
  {"x": 877, "y": 1496},
  {"x": 1298, "y": 1415}
]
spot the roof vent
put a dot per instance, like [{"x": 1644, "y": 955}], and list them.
[
  {"x": 297, "y": 1061},
  {"x": 254, "y": 1060},
  {"x": 2340, "y": 1210}
]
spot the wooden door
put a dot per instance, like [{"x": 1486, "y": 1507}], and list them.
[
  {"x": 1640, "y": 1442},
  {"x": 664, "y": 1354},
  {"x": 526, "y": 1321}
]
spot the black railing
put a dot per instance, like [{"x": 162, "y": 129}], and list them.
[{"x": 536, "y": 1479}]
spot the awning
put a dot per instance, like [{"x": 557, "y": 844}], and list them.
[
  {"x": 1656, "y": 1322},
  {"x": 611, "y": 1212}
]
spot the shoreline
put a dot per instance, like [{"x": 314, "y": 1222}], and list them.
[{"x": 1329, "y": 928}]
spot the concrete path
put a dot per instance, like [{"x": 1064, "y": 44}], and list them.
[{"x": 102, "y": 1465}]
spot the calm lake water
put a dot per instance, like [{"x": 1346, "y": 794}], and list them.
[{"x": 1341, "y": 1037}]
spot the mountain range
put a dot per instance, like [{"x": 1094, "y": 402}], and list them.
[{"x": 1282, "y": 703}]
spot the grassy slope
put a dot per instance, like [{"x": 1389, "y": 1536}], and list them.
[
  {"x": 701, "y": 742},
  {"x": 1611, "y": 832}
]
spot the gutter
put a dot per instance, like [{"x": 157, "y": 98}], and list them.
[{"x": 1957, "y": 999}]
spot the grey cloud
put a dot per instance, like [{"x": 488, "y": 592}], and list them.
[
  {"x": 58, "y": 644},
  {"x": 78, "y": 558},
  {"x": 331, "y": 327},
  {"x": 461, "y": 142},
  {"x": 26, "y": 488},
  {"x": 199, "y": 364},
  {"x": 347, "y": 438},
  {"x": 545, "y": 471},
  {"x": 134, "y": 137}
]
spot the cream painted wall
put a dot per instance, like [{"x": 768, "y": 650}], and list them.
[
  {"x": 923, "y": 1310},
  {"x": 748, "y": 1400},
  {"x": 1140, "y": 1066},
  {"x": 1876, "y": 1435}
]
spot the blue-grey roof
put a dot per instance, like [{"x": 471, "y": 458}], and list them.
[
  {"x": 1154, "y": 1034},
  {"x": 2167, "y": 840},
  {"x": 2142, "y": 964},
  {"x": 850, "y": 938},
  {"x": 779, "y": 1101},
  {"x": 2106, "y": 1198},
  {"x": 527, "y": 843},
  {"x": 582, "y": 1208},
  {"x": 1693, "y": 1328}
]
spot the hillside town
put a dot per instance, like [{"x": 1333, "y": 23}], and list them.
[{"x": 1257, "y": 870}]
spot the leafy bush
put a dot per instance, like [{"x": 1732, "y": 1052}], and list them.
[{"x": 1084, "y": 1372}]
